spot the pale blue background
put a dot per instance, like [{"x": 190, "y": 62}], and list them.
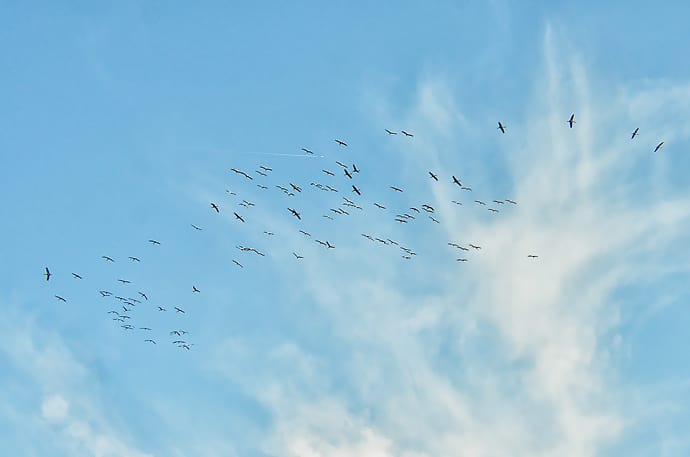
[{"x": 119, "y": 122}]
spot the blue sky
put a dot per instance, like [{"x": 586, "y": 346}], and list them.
[{"x": 121, "y": 122}]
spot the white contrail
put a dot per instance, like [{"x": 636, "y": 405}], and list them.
[{"x": 282, "y": 155}]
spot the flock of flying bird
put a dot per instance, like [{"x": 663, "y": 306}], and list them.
[{"x": 127, "y": 301}]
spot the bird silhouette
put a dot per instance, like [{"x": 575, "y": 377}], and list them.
[{"x": 295, "y": 213}]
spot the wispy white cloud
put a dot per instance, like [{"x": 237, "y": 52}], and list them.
[
  {"x": 45, "y": 365},
  {"x": 509, "y": 356}
]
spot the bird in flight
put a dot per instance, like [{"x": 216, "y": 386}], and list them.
[
  {"x": 659, "y": 146},
  {"x": 297, "y": 256},
  {"x": 76, "y": 276},
  {"x": 241, "y": 173},
  {"x": 329, "y": 173},
  {"x": 295, "y": 213},
  {"x": 340, "y": 142},
  {"x": 475, "y": 247},
  {"x": 433, "y": 176},
  {"x": 347, "y": 173},
  {"x": 406, "y": 133},
  {"x": 341, "y": 164},
  {"x": 501, "y": 127},
  {"x": 160, "y": 308},
  {"x": 179, "y": 310},
  {"x": 237, "y": 263},
  {"x": 466, "y": 188},
  {"x": 355, "y": 190},
  {"x": 480, "y": 202},
  {"x": 105, "y": 293},
  {"x": 634, "y": 134},
  {"x": 390, "y": 132},
  {"x": 194, "y": 289},
  {"x": 461, "y": 260},
  {"x": 105, "y": 257},
  {"x": 308, "y": 151},
  {"x": 305, "y": 233},
  {"x": 397, "y": 189},
  {"x": 266, "y": 168},
  {"x": 457, "y": 181},
  {"x": 214, "y": 206},
  {"x": 154, "y": 242},
  {"x": 511, "y": 201},
  {"x": 532, "y": 256},
  {"x": 134, "y": 259},
  {"x": 297, "y": 188},
  {"x": 456, "y": 202},
  {"x": 571, "y": 121},
  {"x": 47, "y": 274},
  {"x": 493, "y": 209},
  {"x": 379, "y": 206},
  {"x": 124, "y": 281},
  {"x": 195, "y": 227},
  {"x": 149, "y": 341},
  {"x": 60, "y": 298},
  {"x": 434, "y": 219},
  {"x": 143, "y": 295},
  {"x": 354, "y": 168},
  {"x": 237, "y": 216}
]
